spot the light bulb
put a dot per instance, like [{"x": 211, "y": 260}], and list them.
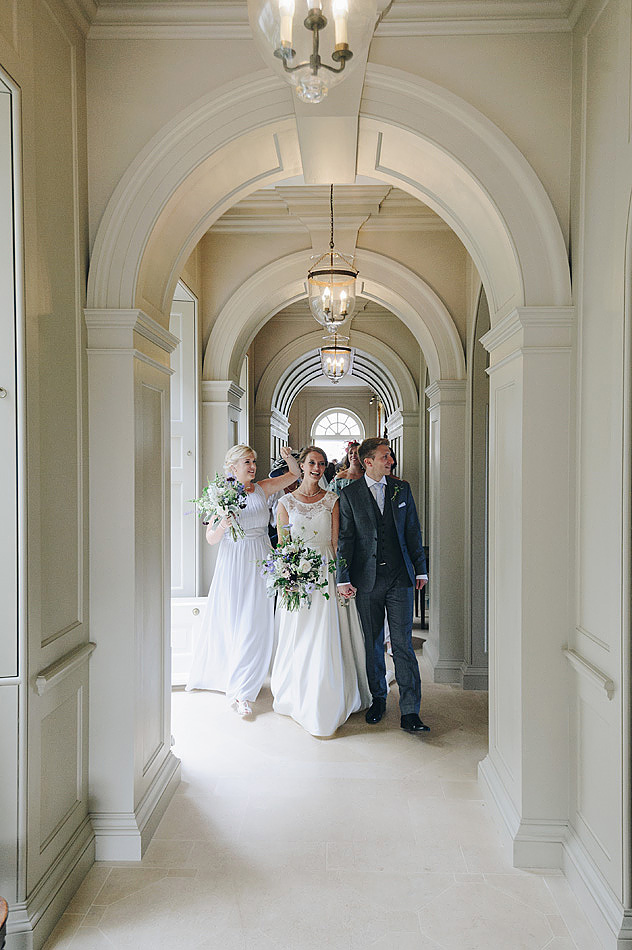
[
  {"x": 286, "y": 11},
  {"x": 340, "y": 11}
]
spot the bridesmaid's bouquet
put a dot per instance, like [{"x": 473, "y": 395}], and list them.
[
  {"x": 223, "y": 497},
  {"x": 294, "y": 571}
]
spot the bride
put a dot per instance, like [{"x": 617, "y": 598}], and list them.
[{"x": 319, "y": 672}]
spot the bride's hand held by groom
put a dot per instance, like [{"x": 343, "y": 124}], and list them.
[{"x": 347, "y": 590}]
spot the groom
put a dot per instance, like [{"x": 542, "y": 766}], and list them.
[{"x": 381, "y": 557}]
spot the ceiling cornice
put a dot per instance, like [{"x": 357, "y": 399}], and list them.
[
  {"x": 83, "y": 12},
  {"x": 228, "y": 19}
]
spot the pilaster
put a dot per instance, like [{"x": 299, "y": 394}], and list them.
[
  {"x": 132, "y": 770},
  {"x": 529, "y": 576},
  {"x": 445, "y": 644},
  {"x": 221, "y": 410}
]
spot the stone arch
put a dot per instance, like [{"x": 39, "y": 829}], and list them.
[
  {"x": 244, "y": 135},
  {"x": 280, "y": 385},
  {"x": 385, "y": 281}
]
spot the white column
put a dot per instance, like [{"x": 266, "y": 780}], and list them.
[
  {"x": 133, "y": 772},
  {"x": 445, "y": 643},
  {"x": 404, "y": 425},
  {"x": 219, "y": 431},
  {"x": 526, "y": 770},
  {"x": 268, "y": 427}
]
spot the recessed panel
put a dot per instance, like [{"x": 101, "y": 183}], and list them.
[
  {"x": 598, "y": 804},
  {"x": 151, "y": 566},
  {"x": 60, "y": 766},
  {"x": 54, "y": 296}
]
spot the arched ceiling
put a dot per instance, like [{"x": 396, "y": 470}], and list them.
[{"x": 365, "y": 368}]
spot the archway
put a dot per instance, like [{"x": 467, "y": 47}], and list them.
[
  {"x": 217, "y": 152},
  {"x": 441, "y": 150}
]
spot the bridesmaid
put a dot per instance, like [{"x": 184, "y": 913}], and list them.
[
  {"x": 351, "y": 470},
  {"x": 234, "y": 648}
]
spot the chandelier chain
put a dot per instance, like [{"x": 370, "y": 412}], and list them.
[{"x": 331, "y": 212}]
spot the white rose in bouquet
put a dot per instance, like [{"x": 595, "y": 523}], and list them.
[{"x": 305, "y": 566}]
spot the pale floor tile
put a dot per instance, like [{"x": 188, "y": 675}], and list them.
[
  {"x": 65, "y": 930},
  {"x": 580, "y": 930},
  {"x": 90, "y": 887},
  {"x": 373, "y": 840}
]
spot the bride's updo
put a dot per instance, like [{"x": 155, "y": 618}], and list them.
[{"x": 235, "y": 454}]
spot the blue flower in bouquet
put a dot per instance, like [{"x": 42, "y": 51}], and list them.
[{"x": 223, "y": 497}]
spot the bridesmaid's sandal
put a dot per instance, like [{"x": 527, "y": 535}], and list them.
[{"x": 242, "y": 707}]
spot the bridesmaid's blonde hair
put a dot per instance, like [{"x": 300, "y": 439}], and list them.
[{"x": 235, "y": 454}]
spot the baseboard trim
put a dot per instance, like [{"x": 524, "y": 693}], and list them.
[
  {"x": 610, "y": 920},
  {"x": 124, "y": 836},
  {"x": 555, "y": 845},
  {"x": 447, "y": 671},
  {"x": 474, "y": 677},
  {"x": 32, "y": 921}
]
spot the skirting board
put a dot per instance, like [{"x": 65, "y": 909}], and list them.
[
  {"x": 474, "y": 677},
  {"x": 124, "y": 836},
  {"x": 447, "y": 671},
  {"x": 32, "y": 921},
  {"x": 554, "y": 845}
]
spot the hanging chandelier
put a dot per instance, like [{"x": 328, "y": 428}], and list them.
[
  {"x": 305, "y": 51},
  {"x": 331, "y": 283},
  {"x": 336, "y": 360}
]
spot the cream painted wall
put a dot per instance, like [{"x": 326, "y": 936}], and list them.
[
  {"x": 602, "y": 188},
  {"x": 43, "y": 51},
  {"x": 229, "y": 259},
  {"x": 438, "y": 257},
  {"x": 136, "y": 86},
  {"x": 520, "y": 81}
]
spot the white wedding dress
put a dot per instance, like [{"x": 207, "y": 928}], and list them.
[
  {"x": 319, "y": 672},
  {"x": 234, "y": 648}
]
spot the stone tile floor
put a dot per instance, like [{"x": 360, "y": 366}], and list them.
[{"x": 279, "y": 841}]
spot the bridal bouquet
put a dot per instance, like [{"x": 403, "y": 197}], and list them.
[
  {"x": 294, "y": 571},
  {"x": 222, "y": 497}
]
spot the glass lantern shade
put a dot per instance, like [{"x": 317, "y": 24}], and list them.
[
  {"x": 331, "y": 285},
  {"x": 335, "y": 360},
  {"x": 311, "y": 43}
]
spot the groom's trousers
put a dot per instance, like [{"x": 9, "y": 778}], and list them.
[{"x": 398, "y": 601}]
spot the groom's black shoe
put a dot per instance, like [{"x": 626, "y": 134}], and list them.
[
  {"x": 376, "y": 710},
  {"x": 412, "y": 723}
]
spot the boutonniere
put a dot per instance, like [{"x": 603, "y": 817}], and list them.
[{"x": 396, "y": 491}]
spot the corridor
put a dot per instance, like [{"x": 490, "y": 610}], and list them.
[{"x": 279, "y": 841}]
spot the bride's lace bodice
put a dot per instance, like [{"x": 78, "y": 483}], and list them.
[{"x": 310, "y": 522}]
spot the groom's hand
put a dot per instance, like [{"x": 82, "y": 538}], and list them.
[
  {"x": 420, "y": 582},
  {"x": 347, "y": 590}
]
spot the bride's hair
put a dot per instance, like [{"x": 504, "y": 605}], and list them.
[
  {"x": 310, "y": 448},
  {"x": 235, "y": 454}
]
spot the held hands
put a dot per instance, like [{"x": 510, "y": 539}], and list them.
[{"x": 347, "y": 590}]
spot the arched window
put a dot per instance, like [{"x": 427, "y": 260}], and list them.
[{"x": 332, "y": 430}]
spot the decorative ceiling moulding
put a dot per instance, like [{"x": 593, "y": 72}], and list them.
[
  {"x": 473, "y": 176},
  {"x": 215, "y": 20}
]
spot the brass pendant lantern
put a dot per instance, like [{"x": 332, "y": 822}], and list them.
[
  {"x": 331, "y": 283},
  {"x": 336, "y": 359}
]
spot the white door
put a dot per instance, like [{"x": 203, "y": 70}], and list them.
[
  {"x": 185, "y": 530},
  {"x": 8, "y": 401}
]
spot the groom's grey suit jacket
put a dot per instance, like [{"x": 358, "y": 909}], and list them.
[{"x": 358, "y": 537}]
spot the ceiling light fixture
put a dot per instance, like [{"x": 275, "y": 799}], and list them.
[
  {"x": 297, "y": 46},
  {"x": 331, "y": 283},
  {"x": 336, "y": 360}
]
